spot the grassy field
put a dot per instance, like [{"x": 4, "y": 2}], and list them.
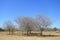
[{"x": 16, "y": 36}]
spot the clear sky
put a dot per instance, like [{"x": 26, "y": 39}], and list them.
[{"x": 11, "y": 9}]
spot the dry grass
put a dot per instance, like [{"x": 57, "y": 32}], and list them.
[{"x": 16, "y": 36}]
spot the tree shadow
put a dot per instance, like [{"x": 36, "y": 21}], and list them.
[
  {"x": 38, "y": 35},
  {"x": 50, "y": 35}
]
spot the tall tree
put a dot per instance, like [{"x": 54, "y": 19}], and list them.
[
  {"x": 43, "y": 22},
  {"x": 26, "y": 24}
]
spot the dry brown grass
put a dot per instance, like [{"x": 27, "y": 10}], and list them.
[{"x": 17, "y": 36}]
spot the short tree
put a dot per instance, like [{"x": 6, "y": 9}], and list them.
[
  {"x": 55, "y": 29},
  {"x": 1, "y": 29},
  {"x": 10, "y": 27}
]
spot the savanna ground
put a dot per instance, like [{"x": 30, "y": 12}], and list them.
[{"x": 18, "y": 36}]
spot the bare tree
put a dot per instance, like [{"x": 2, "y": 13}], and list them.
[
  {"x": 26, "y": 24},
  {"x": 10, "y": 27},
  {"x": 43, "y": 22}
]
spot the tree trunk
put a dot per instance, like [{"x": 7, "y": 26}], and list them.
[
  {"x": 12, "y": 32},
  {"x": 41, "y": 33},
  {"x": 30, "y": 31},
  {"x": 9, "y": 31},
  {"x": 27, "y": 32}
]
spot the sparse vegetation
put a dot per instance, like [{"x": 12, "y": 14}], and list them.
[{"x": 38, "y": 26}]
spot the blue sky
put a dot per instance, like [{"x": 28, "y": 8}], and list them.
[{"x": 11, "y": 9}]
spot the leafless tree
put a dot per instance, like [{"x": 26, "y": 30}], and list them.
[
  {"x": 26, "y": 24},
  {"x": 10, "y": 27},
  {"x": 43, "y": 22}
]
